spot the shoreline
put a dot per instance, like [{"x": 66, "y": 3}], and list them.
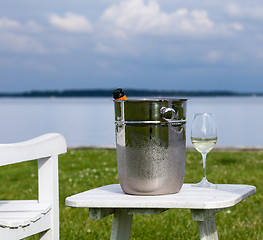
[{"x": 188, "y": 148}]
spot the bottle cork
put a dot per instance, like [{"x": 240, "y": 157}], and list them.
[{"x": 118, "y": 94}]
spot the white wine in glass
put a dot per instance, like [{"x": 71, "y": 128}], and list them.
[{"x": 204, "y": 137}]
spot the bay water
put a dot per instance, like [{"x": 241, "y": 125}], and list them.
[{"x": 90, "y": 121}]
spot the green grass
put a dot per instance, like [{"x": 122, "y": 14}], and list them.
[{"x": 80, "y": 170}]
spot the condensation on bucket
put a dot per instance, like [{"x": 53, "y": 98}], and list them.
[{"x": 151, "y": 158}]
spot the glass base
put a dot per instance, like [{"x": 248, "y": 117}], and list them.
[{"x": 204, "y": 183}]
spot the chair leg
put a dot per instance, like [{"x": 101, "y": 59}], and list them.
[
  {"x": 121, "y": 226},
  {"x": 206, "y": 223}
]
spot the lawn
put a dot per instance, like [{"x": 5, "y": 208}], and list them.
[{"x": 80, "y": 170}]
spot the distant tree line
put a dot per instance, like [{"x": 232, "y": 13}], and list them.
[{"x": 129, "y": 93}]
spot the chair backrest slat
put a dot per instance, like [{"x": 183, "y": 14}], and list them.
[{"x": 44, "y": 146}]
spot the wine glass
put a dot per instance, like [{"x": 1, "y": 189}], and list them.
[{"x": 204, "y": 137}]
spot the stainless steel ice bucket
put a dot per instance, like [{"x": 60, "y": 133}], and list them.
[{"x": 150, "y": 141}]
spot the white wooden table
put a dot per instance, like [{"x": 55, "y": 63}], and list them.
[{"x": 203, "y": 202}]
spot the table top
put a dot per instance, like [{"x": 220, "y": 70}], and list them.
[{"x": 112, "y": 196}]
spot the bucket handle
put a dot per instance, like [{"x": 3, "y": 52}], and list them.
[{"x": 168, "y": 114}]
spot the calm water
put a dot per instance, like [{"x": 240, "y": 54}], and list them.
[{"x": 90, "y": 121}]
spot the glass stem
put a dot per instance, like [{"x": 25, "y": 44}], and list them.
[{"x": 204, "y": 165}]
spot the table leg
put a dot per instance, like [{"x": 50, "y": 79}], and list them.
[
  {"x": 121, "y": 225},
  {"x": 206, "y": 223}
]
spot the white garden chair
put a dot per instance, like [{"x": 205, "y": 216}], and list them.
[{"x": 22, "y": 218}]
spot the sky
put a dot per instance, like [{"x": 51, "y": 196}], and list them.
[{"x": 141, "y": 44}]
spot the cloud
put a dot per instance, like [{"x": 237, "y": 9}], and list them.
[
  {"x": 32, "y": 26},
  {"x": 103, "y": 48},
  {"x": 214, "y": 56},
  {"x": 39, "y": 66},
  {"x": 7, "y": 24},
  {"x": 28, "y": 64},
  {"x": 140, "y": 17},
  {"x": 238, "y": 11},
  {"x": 15, "y": 37},
  {"x": 17, "y": 43},
  {"x": 127, "y": 26},
  {"x": 236, "y": 26},
  {"x": 103, "y": 65},
  {"x": 259, "y": 53},
  {"x": 71, "y": 23},
  {"x": 233, "y": 9}
]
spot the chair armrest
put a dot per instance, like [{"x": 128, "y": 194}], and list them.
[{"x": 44, "y": 146}]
